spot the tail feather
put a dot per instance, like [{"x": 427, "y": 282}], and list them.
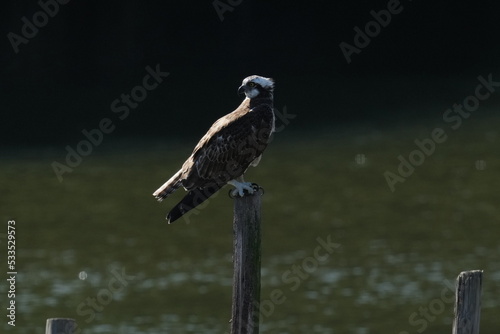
[
  {"x": 168, "y": 187},
  {"x": 194, "y": 198}
]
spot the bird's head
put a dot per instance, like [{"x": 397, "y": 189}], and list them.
[{"x": 256, "y": 85}]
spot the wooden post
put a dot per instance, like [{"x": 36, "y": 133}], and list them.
[
  {"x": 246, "y": 258},
  {"x": 60, "y": 326},
  {"x": 468, "y": 302}
]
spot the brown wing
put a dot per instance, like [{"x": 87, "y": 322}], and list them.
[{"x": 229, "y": 147}]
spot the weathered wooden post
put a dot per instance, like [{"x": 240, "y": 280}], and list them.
[
  {"x": 468, "y": 302},
  {"x": 246, "y": 259},
  {"x": 60, "y": 326}
]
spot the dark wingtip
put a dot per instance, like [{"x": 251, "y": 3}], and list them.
[
  {"x": 193, "y": 198},
  {"x": 185, "y": 205},
  {"x": 170, "y": 218}
]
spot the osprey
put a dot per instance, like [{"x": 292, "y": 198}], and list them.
[{"x": 232, "y": 144}]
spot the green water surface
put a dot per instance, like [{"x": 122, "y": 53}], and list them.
[{"x": 96, "y": 247}]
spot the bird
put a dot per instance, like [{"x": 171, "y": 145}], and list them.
[{"x": 223, "y": 155}]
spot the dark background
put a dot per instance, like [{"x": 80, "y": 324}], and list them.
[{"x": 90, "y": 52}]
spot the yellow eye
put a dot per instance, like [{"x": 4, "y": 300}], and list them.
[{"x": 252, "y": 84}]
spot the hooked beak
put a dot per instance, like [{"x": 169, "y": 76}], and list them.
[{"x": 241, "y": 90}]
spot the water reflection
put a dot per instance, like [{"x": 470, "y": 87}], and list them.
[
  {"x": 381, "y": 283},
  {"x": 397, "y": 251}
]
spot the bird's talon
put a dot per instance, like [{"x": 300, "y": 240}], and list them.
[
  {"x": 247, "y": 189},
  {"x": 258, "y": 189}
]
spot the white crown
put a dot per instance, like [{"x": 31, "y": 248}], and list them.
[{"x": 262, "y": 81}]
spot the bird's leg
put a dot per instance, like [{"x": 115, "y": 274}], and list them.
[{"x": 240, "y": 186}]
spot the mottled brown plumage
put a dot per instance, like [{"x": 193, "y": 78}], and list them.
[{"x": 231, "y": 145}]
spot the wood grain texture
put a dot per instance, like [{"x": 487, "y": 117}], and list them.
[
  {"x": 247, "y": 262},
  {"x": 468, "y": 302}
]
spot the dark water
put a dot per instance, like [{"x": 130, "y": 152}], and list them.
[{"x": 342, "y": 253}]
